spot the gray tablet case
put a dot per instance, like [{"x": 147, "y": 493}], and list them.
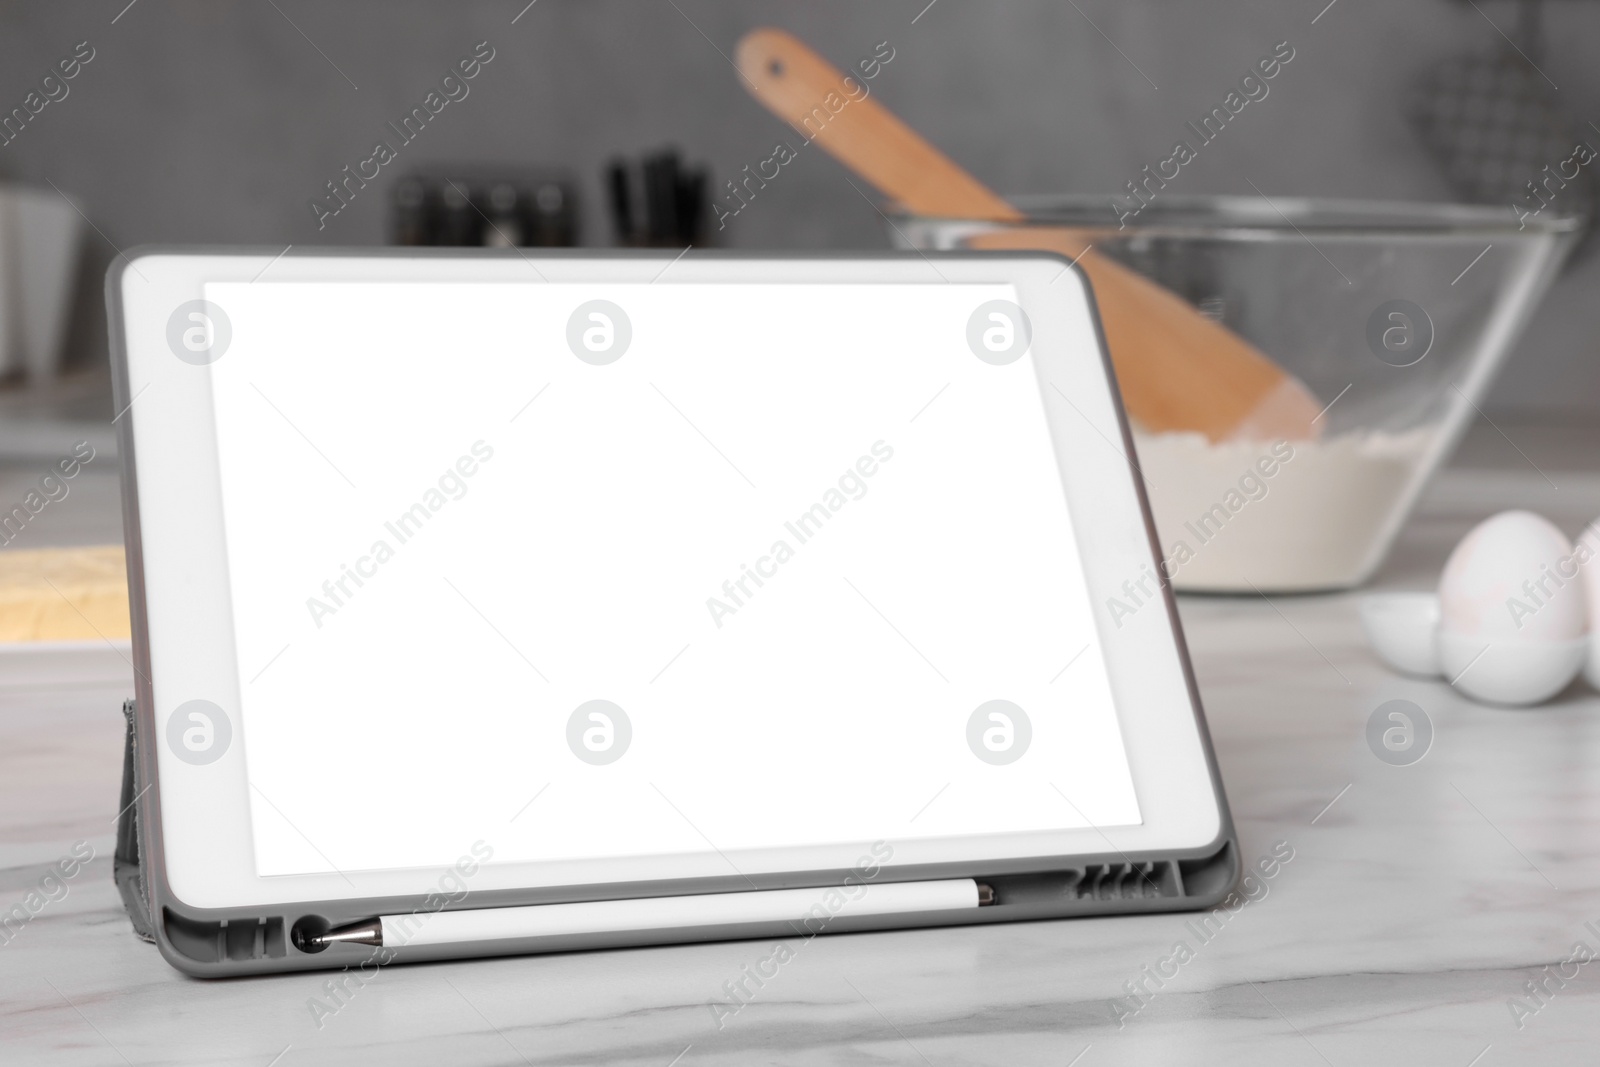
[
  {"x": 237, "y": 941},
  {"x": 222, "y": 943}
]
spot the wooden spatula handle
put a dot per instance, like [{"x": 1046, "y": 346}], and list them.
[
  {"x": 1177, "y": 370},
  {"x": 809, "y": 93}
]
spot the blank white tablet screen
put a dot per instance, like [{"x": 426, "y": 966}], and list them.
[{"x": 797, "y": 534}]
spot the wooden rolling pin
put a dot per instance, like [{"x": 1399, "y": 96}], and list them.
[
  {"x": 1177, "y": 369},
  {"x": 64, "y": 594}
]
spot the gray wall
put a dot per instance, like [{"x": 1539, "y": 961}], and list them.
[{"x": 216, "y": 121}]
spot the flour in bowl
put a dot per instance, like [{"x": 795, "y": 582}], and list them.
[{"x": 1283, "y": 516}]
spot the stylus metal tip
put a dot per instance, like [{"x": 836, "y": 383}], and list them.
[
  {"x": 985, "y": 895},
  {"x": 367, "y": 933}
]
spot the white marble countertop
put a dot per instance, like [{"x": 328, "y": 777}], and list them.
[{"x": 1419, "y": 903}]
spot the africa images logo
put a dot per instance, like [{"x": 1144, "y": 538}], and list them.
[{"x": 199, "y": 332}]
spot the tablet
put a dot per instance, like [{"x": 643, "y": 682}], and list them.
[{"x": 631, "y": 576}]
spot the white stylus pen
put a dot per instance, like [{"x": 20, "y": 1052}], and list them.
[{"x": 657, "y": 913}]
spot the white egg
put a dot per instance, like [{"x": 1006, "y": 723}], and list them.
[
  {"x": 1513, "y": 616},
  {"x": 1514, "y": 577},
  {"x": 1589, "y": 547}
]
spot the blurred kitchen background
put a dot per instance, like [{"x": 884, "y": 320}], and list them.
[{"x": 221, "y": 121}]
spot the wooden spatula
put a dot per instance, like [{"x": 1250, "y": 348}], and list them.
[{"x": 1178, "y": 370}]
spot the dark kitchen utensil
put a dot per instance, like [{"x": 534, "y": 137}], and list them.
[
  {"x": 658, "y": 203},
  {"x": 1494, "y": 126}
]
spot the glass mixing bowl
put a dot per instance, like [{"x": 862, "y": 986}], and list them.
[{"x": 1396, "y": 316}]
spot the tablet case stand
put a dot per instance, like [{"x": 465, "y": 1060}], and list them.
[
  {"x": 127, "y": 862},
  {"x": 225, "y": 946}
]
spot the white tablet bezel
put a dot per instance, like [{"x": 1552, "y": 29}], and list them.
[{"x": 182, "y": 617}]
